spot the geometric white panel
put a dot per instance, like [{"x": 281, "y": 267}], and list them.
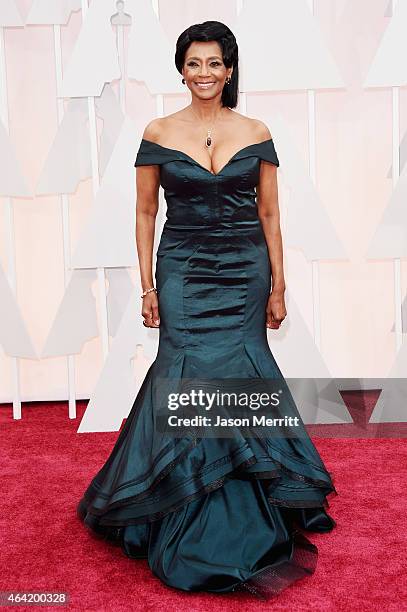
[
  {"x": 12, "y": 181},
  {"x": 108, "y": 110},
  {"x": 403, "y": 317},
  {"x": 390, "y": 238},
  {"x": 9, "y": 14},
  {"x": 391, "y": 406},
  {"x": 94, "y": 60},
  {"x": 319, "y": 401},
  {"x": 68, "y": 160},
  {"x": 402, "y": 155},
  {"x": 52, "y": 12},
  {"x": 150, "y": 54},
  {"x": 282, "y": 48},
  {"x": 116, "y": 389},
  {"x": 108, "y": 237},
  {"x": 308, "y": 226},
  {"x": 14, "y": 336},
  {"x": 388, "y": 67},
  {"x": 389, "y": 9},
  {"x": 75, "y": 322},
  {"x": 120, "y": 289},
  {"x": 298, "y": 358}
]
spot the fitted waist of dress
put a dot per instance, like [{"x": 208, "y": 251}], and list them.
[{"x": 219, "y": 226}]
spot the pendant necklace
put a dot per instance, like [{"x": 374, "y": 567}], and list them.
[{"x": 208, "y": 139}]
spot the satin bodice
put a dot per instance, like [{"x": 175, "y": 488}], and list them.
[{"x": 196, "y": 197}]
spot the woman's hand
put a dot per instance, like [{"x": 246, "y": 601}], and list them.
[
  {"x": 150, "y": 310},
  {"x": 275, "y": 310}
]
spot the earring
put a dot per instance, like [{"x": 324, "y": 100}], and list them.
[
  {"x": 183, "y": 80},
  {"x": 228, "y": 80}
]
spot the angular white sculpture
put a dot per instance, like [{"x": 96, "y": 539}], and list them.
[
  {"x": 151, "y": 55},
  {"x": 50, "y": 12},
  {"x": 390, "y": 237},
  {"x": 120, "y": 290},
  {"x": 14, "y": 337},
  {"x": 75, "y": 322},
  {"x": 308, "y": 226},
  {"x": 68, "y": 160},
  {"x": 107, "y": 239},
  {"x": 299, "y": 359},
  {"x": 287, "y": 51},
  {"x": 12, "y": 180},
  {"x": 388, "y": 68},
  {"x": 9, "y": 14},
  {"x": 117, "y": 388},
  {"x": 109, "y": 112},
  {"x": 391, "y": 406},
  {"x": 94, "y": 60}
]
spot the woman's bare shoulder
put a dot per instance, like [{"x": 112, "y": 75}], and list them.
[
  {"x": 254, "y": 128},
  {"x": 153, "y": 129},
  {"x": 260, "y": 129},
  {"x": 157, "y": 129}
]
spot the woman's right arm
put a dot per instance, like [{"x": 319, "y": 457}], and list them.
[{"x": 147, "y": 189}]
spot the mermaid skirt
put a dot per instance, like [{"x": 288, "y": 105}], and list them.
[{"x": 215, "y": 514}]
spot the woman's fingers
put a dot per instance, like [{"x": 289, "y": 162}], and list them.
[
  {"x": 156, "y": 316},
  {"x": 273, "y": 323},
  {"x": 275, "y": 313},
  {"x": 150, "y": 311},
  {"x": 269, "y": 319}
]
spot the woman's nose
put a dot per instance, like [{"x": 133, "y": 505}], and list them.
[{"x": 204, "y": 71}]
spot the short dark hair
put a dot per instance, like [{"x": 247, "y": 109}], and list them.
[{"x": 213, "y": 31}]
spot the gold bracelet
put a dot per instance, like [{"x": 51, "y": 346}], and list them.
[{"x": 148, "y": 291}]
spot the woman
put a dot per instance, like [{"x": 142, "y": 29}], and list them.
[{"x": 211, "y": 512}]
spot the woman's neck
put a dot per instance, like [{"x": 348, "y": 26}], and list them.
[{"x": 207, "y": 111}]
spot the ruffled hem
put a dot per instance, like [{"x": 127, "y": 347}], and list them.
[
  {"x": 91, "y": 519},
  {"x": 271, "y": 580},
  {"x": 178, "y": 484},
  {"x": 291, "y": 555}
]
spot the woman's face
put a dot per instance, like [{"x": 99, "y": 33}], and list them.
[{"x": 204, "y": 71}]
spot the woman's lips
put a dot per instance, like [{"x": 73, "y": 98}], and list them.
[{"x": 204, "y": 85}]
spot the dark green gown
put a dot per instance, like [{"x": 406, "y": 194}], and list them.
[{"x": 211, "y": 514}]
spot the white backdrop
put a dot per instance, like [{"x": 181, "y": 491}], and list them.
[{"x": 78, "y": 83}]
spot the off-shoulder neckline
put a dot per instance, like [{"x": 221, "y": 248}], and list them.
[{"x": 254, "y": 144}]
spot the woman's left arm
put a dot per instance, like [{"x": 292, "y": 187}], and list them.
[{"x": 269, "y": 215}]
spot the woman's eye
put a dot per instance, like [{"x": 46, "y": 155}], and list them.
[{"x": 192, "y": 64}]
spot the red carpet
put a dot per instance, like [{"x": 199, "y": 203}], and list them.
[{"x": 46, "y": 466}]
